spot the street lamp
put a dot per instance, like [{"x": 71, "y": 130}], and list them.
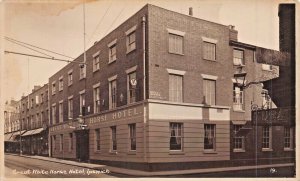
[{"x": 240, "y": 74}]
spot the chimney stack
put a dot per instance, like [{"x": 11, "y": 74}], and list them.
[{"x": 191, "y": 11}]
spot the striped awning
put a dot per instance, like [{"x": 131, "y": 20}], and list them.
[{"x": 33, "y": 132}]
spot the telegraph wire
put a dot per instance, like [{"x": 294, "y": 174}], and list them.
[
  {"x": 7, "y": 38},
  {"x": 115, "y": 20},
  {"x": 99, "y": 22},
  {"x": 30, "y": 48}
]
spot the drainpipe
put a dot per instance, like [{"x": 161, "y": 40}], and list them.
[{"x": 144, "y": 85}]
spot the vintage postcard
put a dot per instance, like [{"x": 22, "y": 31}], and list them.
[{"x": 148, "y": 89}]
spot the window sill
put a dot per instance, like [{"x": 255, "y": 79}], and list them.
[
  {"x": 60, "y": 90},
  {"x": 239, "y": 150},
  {"x": 210, "y": 152},
  {"x": 240, "y": 65},
  {"x": 238, "y": 110},
  {"x": 82, "y": 78},
  {"x": 288, "y": 149},
  {"x": 176, "y": 152},
  {"x": 70, "y": 84},
  {"x": 113, "y": 152},
  {"x": 210, "y": 60},
  {"x": 95, "y": 70},
  {"x": 131, "y": 152},
  {"x": 112, "y": 61},
  {"x": 176, "y": 53},
  {"x": 128, "y": 51},
  {"x": 267, "y": 149}
]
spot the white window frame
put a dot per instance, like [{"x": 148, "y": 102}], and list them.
[
  {"x": 70, "y": 77},
  {"x": 112, "y": 51},
  {"x": 238, "y": 98},
  {"x": 60, "y": 84},
  {"x": 82, "y": 100},
  {"x": 173, "y": 36},
  {"x": 267, "y": 139},
  {"x": 61, "y": 111},
  {"x": 70, "y": 105},
  {"x": 53, "y": 87},
  {"x": 288, "y": 139},
  {"x": 236, "y": 60},
  {"x": 237, "y": 140},
  {"x": 96, "y": 98},
  {"x": 112, "y": 80},
  {"x": 210, "y": 127},
  {"x": 96, "y": 61},
  {"x": 130, "y": 40},
  {"x": 176, "y": 132}
]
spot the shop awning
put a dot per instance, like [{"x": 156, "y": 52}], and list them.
[
  {"x": 17, "y": 133},
  {"x": 37, "y": 131},
  {"x": 28, "y": 133},
  {"x": 33, "y": 132},
  {"x": 7, "y": 137}
]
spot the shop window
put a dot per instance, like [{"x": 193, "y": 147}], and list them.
[
  {"x": 97, "y": 133},
  {"x": 113, "y": 138}
]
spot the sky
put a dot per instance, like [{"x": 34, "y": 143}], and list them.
[{"x": 58, "y": 26}]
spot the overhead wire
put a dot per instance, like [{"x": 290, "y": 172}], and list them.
[
  {"x": 115, "y": 20},
  {"x": 7, "y": 38},
  {"x": 99, "y": 22}
]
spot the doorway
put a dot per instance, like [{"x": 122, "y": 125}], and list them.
[{"x": 82, "y": 145}]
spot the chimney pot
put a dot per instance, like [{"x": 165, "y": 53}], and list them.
[{"x": 191, "y": 11}]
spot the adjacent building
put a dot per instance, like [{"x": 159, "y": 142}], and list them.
[{"x": 34, "y": 115}]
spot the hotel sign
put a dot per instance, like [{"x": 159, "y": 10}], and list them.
[{"x": 117, "y": 115}]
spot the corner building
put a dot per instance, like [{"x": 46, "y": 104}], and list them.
[{"x": 155, "y": 92}]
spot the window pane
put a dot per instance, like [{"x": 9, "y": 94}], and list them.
[
  {"x": 209, "y": 136},
  {"x": 209, "y": 91},
  {"x": 175, "y": 136},
  {"x": 209, "y": 51},
  {"x": 175, "y": 88},
  {"x": 175, "y": 44}
]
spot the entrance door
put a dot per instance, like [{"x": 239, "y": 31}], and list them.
[{"x": 82, "y": 145}]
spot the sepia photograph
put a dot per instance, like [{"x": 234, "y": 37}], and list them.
[{"x": 148, "y": 89}]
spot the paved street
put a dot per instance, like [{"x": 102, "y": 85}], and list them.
[{"x": 21, "y": 167}]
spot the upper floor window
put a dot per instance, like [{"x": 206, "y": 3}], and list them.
[
  {"x": 112, "y": 51},
  {"x": 60, "y": 84},
  {"x": 70, "y": 107},
  {"x": 42, "y": 98},
  {"x": 175, "y": 44},
  {"x": 132, "y": 83},
  {"x": 54, "y": 114},
  {"x": 82, "y": 103},
  {"x": 266, "y": 99},
  {"x": 32, "y": 102},
  {"x": 96, "y": 99},
  {"x": 53, "y": 88},
  {"x": 70, "y": 78},
  {"x": 209, "y": 51},
  {"x": 176, "y": 136},
  {"x": 82, "y": 71},
  {"x": 209, "y": 91},
  {"x": 61, "y": 112},
  {"x": 96, "y": 63},
  {"x": 176, "y": 41},
  {"x": 238, "y": 98},
  {"x": 130, "y": 39},
  {"x": 175, "y": 88},
  {"x": 238, "y": 57},
  {"x": 112, "y": 92},
  {"x": 209, "y": 137}
]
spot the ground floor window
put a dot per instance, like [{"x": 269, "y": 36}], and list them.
[
  {"x": 267, "y": 137},
  {"x": 71, "y": 141},
  {"x": 97, "y": 133},
  {"x": 176, "y": 136},
  {"x": 209, "y": 136},
  {"x": 54, "y": 142},
  {"x": 238, "y": 141},
  {"x": 132, "y": 137},
  {"x": 288, "y": 138},
  {"x": 113, "y": 138},
  {"x": 61, "y": 142}
]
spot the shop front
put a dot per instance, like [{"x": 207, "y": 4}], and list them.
[{"x": 35, "y": 142}]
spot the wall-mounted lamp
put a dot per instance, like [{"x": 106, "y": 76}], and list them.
[{"x": 240, "y": 75}]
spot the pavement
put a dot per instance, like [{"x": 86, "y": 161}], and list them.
[{"x": 140, "y": 173}]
